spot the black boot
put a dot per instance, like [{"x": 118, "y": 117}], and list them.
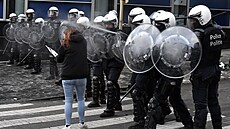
[
  {"x": 165, "y": 111},
  {"x": 153, "y": 115},
  {"x": 110, "y": 101},
  {"x": 11, "y": 58},
  {"x": 107, "y": 113},
  {"x": 96, "y": 84}
]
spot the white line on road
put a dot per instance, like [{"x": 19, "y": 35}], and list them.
[
  {"x": 14, "y": 105},
  {"x": 50, "y": 118},
  {"x": 38, "y": 110}
]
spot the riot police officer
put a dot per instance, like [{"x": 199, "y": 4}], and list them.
[
  {"x": 83, "y": 23},
  {"x": 30, "y": 21},
  {"x": 113, "y": 68},
  {"x": 13, "y": 45},
  {"x": 21, "y": 22},
  {"x": 206, "y": 76},
  {"x": 167, "y": 87},
  {"x": 132, "y": 14},
  {"x": 144, "y": 84},
  {"x": 53, "y": 21},
  {"x": 98, "y": 76},
  {"x": 39, "y": 23}
]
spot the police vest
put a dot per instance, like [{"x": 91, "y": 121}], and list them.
[{"x": 211, "y": 40}]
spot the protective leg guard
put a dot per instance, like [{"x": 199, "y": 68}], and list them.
[
  {"x": 30, "y": 60},
  {"x": 51, "y": 68},
  {"x": 117, "y": 106},
  {"x": 153, "y": 115},
  {"x": 96, "y": 84},
  {"x": 102, "y": 91},
  {"x": 20, "y": 57},
  {"x": 165, "y": 111},
  {"x": 56, "y": 72},
  {"x": 139, "y": 108},
  {"x": 37, "y": 67},
  {"x": 110, "y": 101}
]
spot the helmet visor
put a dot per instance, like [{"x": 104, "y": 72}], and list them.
[
  {"x": 52, "y": 13},
  {"x": 193, "y": 23}
]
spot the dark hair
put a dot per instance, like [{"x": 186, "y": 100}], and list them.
[{"x": 66, "y": 42}]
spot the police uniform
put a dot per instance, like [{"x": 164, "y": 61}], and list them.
[
  {"x": 55, "y": 23},
  {"x": 98, "y": 85},
  {"x": 167, "y": 88},
  {"x": 112, "y": 69},
  {"x": 206, "y": 77}
]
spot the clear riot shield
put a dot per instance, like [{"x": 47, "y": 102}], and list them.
[
  {"x": 18, "y": 32},
  {"x": 8, "y": 32},
  {"x": 172, "y": 53},
  {"x": 25, "y": 32},
  {"x": 36, "y": 37},
  {"x": 50, "y": 35},
  {"x": 137, "y": 49}
]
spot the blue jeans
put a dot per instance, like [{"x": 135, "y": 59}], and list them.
[{"x": 68, "y": 86}]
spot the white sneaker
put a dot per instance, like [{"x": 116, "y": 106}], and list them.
[
  {"x": 69, "y": 127},
  {"x": 82, "y": 126}
]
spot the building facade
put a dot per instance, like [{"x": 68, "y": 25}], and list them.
[{"x": 94, "y": 8}]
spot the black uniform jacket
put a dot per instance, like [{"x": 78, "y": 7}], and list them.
[{"x": 74, "y": 58}]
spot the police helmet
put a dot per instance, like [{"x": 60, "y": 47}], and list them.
[
  {"x": 165, "y": 20},
  {"x": 110, "y": 18},
  {"x": 113, "y": 12},
  {"x": 13, "y": 17},
  {"x": 134, "y": 12},
  {"x": 30, "y": 14},
  {"x": 199, "y": 15},
  {"x": 73, "y": 14},
  {"x": 98, "y": 19},
  {"x": 21, "y": 18},
  {"x": 40, "y": 21},
  {"x": 53, "y": 12},
  {"x": 154, "y": 15},
  {"x": 141, "y": 19},
  {"x": 83, "y": 20}
]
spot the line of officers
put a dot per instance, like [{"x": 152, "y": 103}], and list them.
[
  {"x": 152, "y": 91},
  {"x": 29, "y": 55}
]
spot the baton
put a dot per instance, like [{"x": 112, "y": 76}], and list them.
[
  {"x": 5, "y": 48},
  {"x": 130, "y": 89},
  {"x": 26, "y": 55}
]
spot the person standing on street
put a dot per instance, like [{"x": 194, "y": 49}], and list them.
[
  {"x": 73, "y": 54},
  {"x": 206, "y": 77}
]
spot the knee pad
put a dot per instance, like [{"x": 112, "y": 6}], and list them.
[
  {"x": 137, "y": 94},
  {"x": 95, "y": 80},
  {"x": 110, "y": 84}
]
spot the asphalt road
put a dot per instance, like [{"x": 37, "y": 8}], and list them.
[
  {"x": 30, "y": 102},
  {"x": 49, "y": 114},
  {"x": 25, "y": 110}
]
